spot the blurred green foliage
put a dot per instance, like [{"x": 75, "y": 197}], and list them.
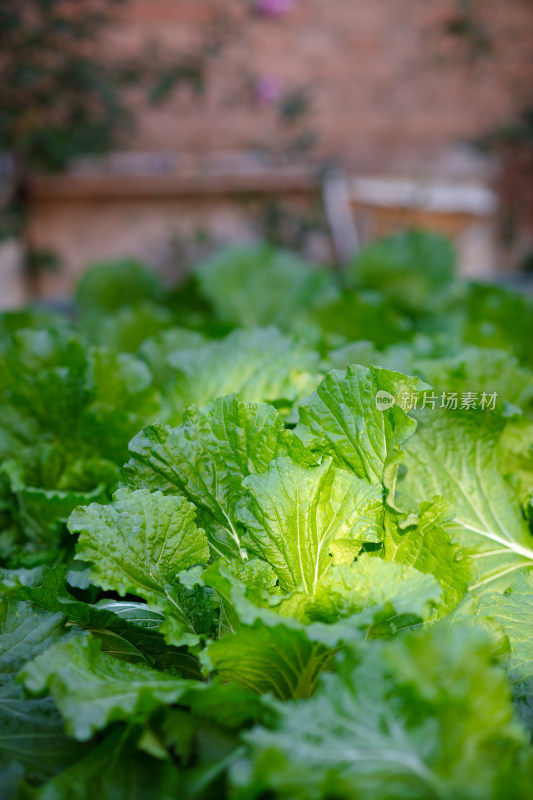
[{"x": 62, "y": 96}]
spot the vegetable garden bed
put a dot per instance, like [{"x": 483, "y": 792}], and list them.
[{"x": 269, "y": 535}]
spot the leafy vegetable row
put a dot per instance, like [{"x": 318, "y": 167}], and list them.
[{"x": 280, "y": 586}]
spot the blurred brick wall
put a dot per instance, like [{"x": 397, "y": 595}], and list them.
[
  {"x": 392, "y": 95},
  {"x": 387, "y": 83}
]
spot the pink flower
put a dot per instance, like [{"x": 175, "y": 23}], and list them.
[
  {"x": 268, "y": 89},
  {"x": 274, "y": 8}
]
